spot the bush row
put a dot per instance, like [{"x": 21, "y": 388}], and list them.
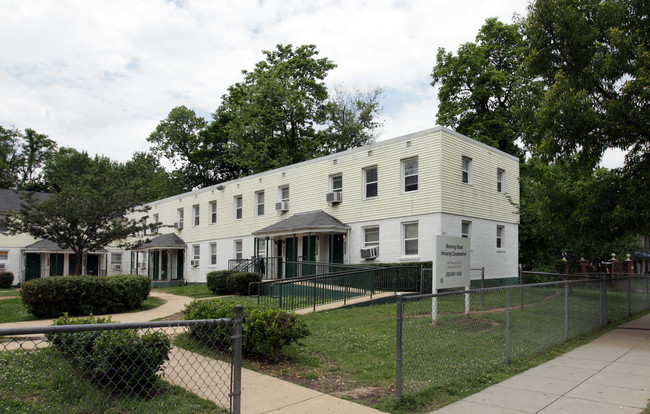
[
  {"x": 120, "y": 359},
  {"x": 82, "y": 295},
  {"x": 266, "y": 330},
  {"x": 225, "y": 282},
  {"x": 6, "y": 280}
]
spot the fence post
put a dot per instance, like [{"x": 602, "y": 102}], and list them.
[
  {"x": 629, "y": 296},
  {"x": 398, "y": 348},
  {"x": 314, "y": 296},
  {"x": 647, "y": 295},
  {"x": 237, "y": 359},
  {"x": 566, "y": 310},
  {"x": 467, "y": 301},
  {"x": 521, "y": 289},
  {"x": 508, "y": 326}
]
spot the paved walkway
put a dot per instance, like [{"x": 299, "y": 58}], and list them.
[{"x": 609, "y": 375}]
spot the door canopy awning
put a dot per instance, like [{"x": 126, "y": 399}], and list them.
[
  {"x": 310, "y": 222},
  {"x": 48, "y": 246},
  {"x": 164, "y": 241}
]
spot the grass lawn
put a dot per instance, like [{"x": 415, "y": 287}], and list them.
[
  {"x": 193, "y": 291},
  {"x": 9, "y": 292},
  {"x": 39, "y": 382},
  {"x": 13, "y": 310}
]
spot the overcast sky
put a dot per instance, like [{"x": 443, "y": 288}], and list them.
[{"x": 100, "y": 75}]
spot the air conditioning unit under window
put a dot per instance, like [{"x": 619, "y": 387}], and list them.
[
  {"x": 116, "y": 266},
  {"x": 178, "y": 225},
  {"x": 370, "y": 253},
  {"x": 194, "y": 263},
  {"x": 335, "y": 197},
  {"x": 282, "y": 206},
  {"x": 142, "y": 265}
]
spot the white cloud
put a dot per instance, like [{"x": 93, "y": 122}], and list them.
[{"x": 100, "y": 75}]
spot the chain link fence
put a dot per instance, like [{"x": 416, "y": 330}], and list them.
[
  {"x": 448, "y": 338},
  {"x": 121, "y": 368}
]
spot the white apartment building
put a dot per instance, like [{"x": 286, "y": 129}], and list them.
[{"x": 381, "y": 203}]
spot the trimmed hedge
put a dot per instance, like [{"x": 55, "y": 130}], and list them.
[
  {"x": 6, "y": 280},
  {"x": 237, "y": 283},
  {"x": 53, "y": 296},
  {"x": 119, "y": 359},
  {"x": 228, "y": 282},
  {"x": 217, "y": 281},
  {"x": 265, "y": 330}
]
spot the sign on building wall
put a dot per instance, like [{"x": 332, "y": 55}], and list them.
[{"x": 451, "y": 268}]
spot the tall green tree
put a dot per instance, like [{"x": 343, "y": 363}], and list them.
[
  {"x": 594, "y": 59},
  {"x": 22, "y": 158},
  {"x": 86, "y": 211},
  {"x": 480, "y": 84},
  {"x": 281, "y": 113},
  {"x": 148, "y": 179}
]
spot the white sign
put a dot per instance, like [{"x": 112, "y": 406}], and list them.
[{"x": 451, "y": 268}]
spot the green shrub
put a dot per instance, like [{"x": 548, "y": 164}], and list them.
[
  {"x": 237, "y": 283},
  {"x": 119, "y": 358},
  {"x": 6, "y": 280},
  {"x": 82, "y": 295},
  {"x": 265, "y": 330},
  {"x": 217, "y": 281}
]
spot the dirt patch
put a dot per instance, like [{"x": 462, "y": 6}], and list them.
[{"x": 175, "y": 317}]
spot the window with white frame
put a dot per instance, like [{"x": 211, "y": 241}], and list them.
[
  {"x": 466, "y": 227},
  {"x": 500, "y": 231},
  {"x": 238, "y": 250},
  {"x": 213, "y": 254},
  {"x": 196, "y": 252},
  {"x": 371, "y": 236},
  {"x": 467, "y": 170},
  {"x": 213, "y": 212},
  {"x": 4, "y": 255},
  {"x": 500, "y": 183},
  {"x": 196, "y": 213},
  {"x": 370, "y": 182},
  {"x": 259, "y": 203},
  {"x": 116, "y": 261},
  {"x": 410, "y": 174},
  {"x": 144, "y": 226},
  {"x": 238, "y": 202},
  {"x": 336, "y": 183},
  {"x": 180, "y": 216},
  {"x": 283, "y": 193},
  {"x": 154, "y": 225},
  {"x": 410, "y": 236}
]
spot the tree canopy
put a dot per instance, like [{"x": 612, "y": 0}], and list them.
[
  {"x": 86, "y": 211},
  {"x": 22, "y": 158},
  {"x": 281, "y": 113}
]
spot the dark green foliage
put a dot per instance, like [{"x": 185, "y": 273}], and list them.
[
  {"x": 6, "y": 279},
  {"x": 217, "y": 281},
  {"x": 83, "y": 295},
  {"x": 266, "y": 330},
  {"x": 237, "y": 283},
  {"x": 119, "y": 359}
]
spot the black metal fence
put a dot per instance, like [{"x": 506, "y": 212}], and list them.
[
  {"x": 313, "y": 291},
  {"x": 447, "y": 338},
  {"x": 121, "y": 367}
]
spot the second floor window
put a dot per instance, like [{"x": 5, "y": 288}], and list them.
[
  {"x": 467, "y": 170},
  {"x": 259, "y": 203},
  {"x": 410, "y": 171},
  {"x": 213, "y": 212},
  {"x": 370, "y": 182},
  {"x": 500, "y": 178},
  {"x": 336, "y": 182},
  {"x": 238, "y": 207},
  {"x": 180, "y": 215},
  {"x": 197, "y": 216}
]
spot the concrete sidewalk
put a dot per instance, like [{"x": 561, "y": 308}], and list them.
[{"x": 609, "y": 375}]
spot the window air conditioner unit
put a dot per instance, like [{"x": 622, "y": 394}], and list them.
[
  {"x": 195, "y": 263},
  {"x": 116, "y": 266},
  {"x": 370, "y": 253},
  {"x": 143, "y": 265},
  {"x": 282, "y": 206},
  {"x": 178, "y": 225},
  {"x": 335, "y": 197}
]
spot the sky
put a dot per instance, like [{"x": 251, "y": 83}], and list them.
[{"x": 100, "y": 75}]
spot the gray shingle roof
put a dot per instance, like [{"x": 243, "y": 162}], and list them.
[
  {"x": 169, "y": 240},
  {"x": 10, "y": 199},
  {"x": 50, "y": 246},
  {"x": 316, "y": 221}
]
